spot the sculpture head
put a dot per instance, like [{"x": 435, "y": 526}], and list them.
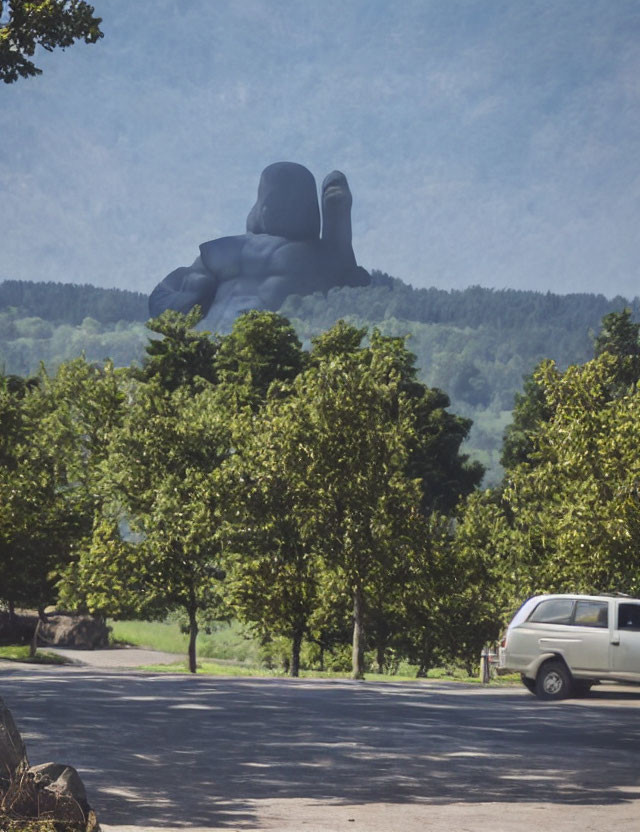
[{"x": 287, "y": 204}]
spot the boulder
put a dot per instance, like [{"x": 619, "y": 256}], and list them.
[
  {"x": 50, "y": 791},
  {"x": 82, "y": 631},
  {"x": 13, "y": 754}
]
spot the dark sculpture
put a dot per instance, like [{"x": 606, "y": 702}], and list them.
[{"x": 281, "y": 254}]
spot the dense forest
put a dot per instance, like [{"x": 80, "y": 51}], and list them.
[
  {"x": 476, "y": 344},
  {"x": 70, "y": 303}
]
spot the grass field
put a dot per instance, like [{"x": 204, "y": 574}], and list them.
[{"x": 227, "y": 641}]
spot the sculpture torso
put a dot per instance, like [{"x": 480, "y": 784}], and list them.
[{"x": 259, "y": 270}]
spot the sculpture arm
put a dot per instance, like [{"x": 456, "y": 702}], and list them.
[{"x": 183, "y": 289}]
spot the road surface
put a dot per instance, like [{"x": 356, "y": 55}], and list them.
[{"x": 160, "y": 752}]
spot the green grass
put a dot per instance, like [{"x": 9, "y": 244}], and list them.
[
  {"x": 20, "y": 653},
  {"x": 212, "y": 669},
  {"x": 227, "y": 641},
  {"x": 215, "y": 669},
  {"x": 240, "y": 655}
]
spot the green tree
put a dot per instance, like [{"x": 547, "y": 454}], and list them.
[
  {"x": 53, "y": 440},
  {"x": 272, "y": 580},
  {"x": 158, "y": 478},
  {"x": 182, "y": 355},
  {"x": 434, "y": 457},
  {"x": 272, "y": 568},
  {"x": 341, "y": 442},
  {"x": 530, "y": 412},
  {"x": 571, "y": 520},
  {"x": 261, "y": 348},
  {"x": 26, "y": 24},
  {"x": 619, "y": 335},
  {"x": 481, "y": 582}
]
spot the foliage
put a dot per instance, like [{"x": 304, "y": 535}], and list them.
[
  {"x": 530, "y": 412},
  {"x": 261, "y": 348},
  {"x": 45, "y": 23},
  {"x": 158, "y": 476},
  {"x": 331, "y": 485},
  {"x": 475, "y": 344},
  {"x": 182, "y": 355},
  {"x": 54, "y": 434},
  {"x": 569, "y": 519}
]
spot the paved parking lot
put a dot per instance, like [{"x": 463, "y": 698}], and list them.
[{"x": 160, "y": 752}]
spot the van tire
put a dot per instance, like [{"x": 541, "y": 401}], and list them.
[
  {"x": 530, "y": 684},
  {"x": 553, "y": 681}
]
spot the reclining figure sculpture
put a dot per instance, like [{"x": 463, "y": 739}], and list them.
[{"x": 282, "y": 252}]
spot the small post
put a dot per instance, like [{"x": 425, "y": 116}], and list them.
[{"x": 485, "y": 671}]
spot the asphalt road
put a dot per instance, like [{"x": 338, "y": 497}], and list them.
[{"x": 162, "y": 752}]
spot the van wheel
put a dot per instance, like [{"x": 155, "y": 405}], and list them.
[
  {"x": 530, "y": 684},
  {"x": 553, "y": 681}
]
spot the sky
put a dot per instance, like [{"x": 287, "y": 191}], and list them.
[{"x": 486, "y": 142}]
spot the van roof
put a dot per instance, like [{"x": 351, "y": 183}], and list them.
[{"x": 525, "y": 609}]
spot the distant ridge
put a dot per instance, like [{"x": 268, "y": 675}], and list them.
[
  {"x": 386, "y": 297},
  {"x": 71, "y": 303},
  {"x": 480, "y": 306}
]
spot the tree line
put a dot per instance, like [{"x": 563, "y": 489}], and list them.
[
  {"x": 308, "y": 494},
  {"x": 70, "y": 303},
  {"x": 317, "y": 495}
]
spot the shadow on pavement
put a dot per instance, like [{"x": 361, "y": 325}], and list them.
[{"x": 171, "y": 751}]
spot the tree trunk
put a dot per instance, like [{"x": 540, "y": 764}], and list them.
[
  {"x": 380, "y": 658},
  {"x": 193, "y": 635},
  {"x": 296, "y": 644},
  {"x": 34, "y": 641},
  {"x": 357, "y": 655},
  {"x": 12, "y": 614},
  {"x": 42, "y": 618},
  {"x": 426, "y": 658}
]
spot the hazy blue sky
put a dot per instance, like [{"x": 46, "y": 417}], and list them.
[{"x": 491, "y": 142}]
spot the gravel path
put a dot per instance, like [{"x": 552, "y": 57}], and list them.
[{"x": 118, "y": 658}]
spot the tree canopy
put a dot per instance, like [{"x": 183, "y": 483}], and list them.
[{"x": 51, "y": 24}]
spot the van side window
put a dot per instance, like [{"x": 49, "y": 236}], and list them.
[
  {"x": 592, "y": 614},
  {"x": 629, "y": 616},
  {"x": 553, "y": 611}
]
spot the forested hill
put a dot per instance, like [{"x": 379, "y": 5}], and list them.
[
  {"x": 68, "y": 303},
  {"x": 387, "y": 297},
  {"x": 476, "y": 344},
  {"x": 477, "y": 306}
]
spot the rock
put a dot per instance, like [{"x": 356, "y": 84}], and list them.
[
  {"x": 61, "y": 779},
  {"x": 13, "y": 754},
  {"x": 83, "y": 631},
  {"x": 50, "y": 791}
]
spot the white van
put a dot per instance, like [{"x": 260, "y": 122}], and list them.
[{"x": 563, "y": 644}]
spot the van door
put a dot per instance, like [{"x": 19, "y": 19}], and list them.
[
  {"x": 625, "y": 641},
  {"x": 588, "y": 649}
]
